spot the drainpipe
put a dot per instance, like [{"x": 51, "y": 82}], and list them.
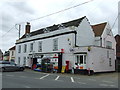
[
  {"x": 101, "y": 41},
  {"x": 75, "y": 38}
]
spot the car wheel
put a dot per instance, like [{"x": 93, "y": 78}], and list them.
[
  {"x": 3, "y": 69},
  {"x": 21, "y": 69}
]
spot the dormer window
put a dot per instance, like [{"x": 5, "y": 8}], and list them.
[
  {"x": 61, "y": 26},
  {"x": 45, "y": 30}
]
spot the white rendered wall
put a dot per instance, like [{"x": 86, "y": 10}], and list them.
[
  {"x": 85, "y": 34},
  {"x": 97, "y": 58}
]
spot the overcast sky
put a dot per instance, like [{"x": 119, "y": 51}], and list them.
[{"x": 16, "y": 11}]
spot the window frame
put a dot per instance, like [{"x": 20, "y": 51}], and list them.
[{"x": 55, "y": 44}]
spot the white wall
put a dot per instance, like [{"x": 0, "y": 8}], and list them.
[
  {"x": 97, "y": 59},
  {"x": 100, "y": 59},
  {"x": 85, "y": 34},
  {"x": 12, "y": 56},
  {"x": 47, "y": 46}
]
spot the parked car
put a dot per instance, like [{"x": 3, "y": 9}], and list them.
[{"x": 10, "y": 66}]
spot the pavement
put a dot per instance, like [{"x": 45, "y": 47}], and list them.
[{"x": 34, "y": 79}]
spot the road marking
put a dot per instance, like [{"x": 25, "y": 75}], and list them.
[
  {"x": 10, "y": 75},
  {"x": 92, "y": 79},
  {"x": 107, "y": 81},
  {"x": 72, "y": 79},
  {"x": 112, "y": 85},
  {"x": 57, "y": 78},
  {"x": 23, "y": 76},
  {"x": 81, "y": 83},
  {"x": 44, "y": 76},
  {"x": 104, "y": 85},
  {"x": 27, "y": 87}
]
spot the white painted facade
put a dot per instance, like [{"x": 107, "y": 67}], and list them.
[
  {"x": 82, "y": 39},
  {"x": 12, "y": 55},
  {"x": 106, "y": 36},
  {"x": 98, "y": 59}
]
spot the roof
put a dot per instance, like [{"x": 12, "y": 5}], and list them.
[
  {"x": 99, "y": 28},
  {"x": 12, "y": 48},
  {"x": 56, "y": 27}
]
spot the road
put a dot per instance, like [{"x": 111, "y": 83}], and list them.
[{"x": 33, "y": 79}]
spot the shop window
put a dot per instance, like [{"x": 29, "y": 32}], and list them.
[
  {"x": 40, "y": 46},
  {"x": 81, "y": 59},
  {"x": 55, "y": 44}
]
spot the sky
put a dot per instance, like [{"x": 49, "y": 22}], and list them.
[{"x": 14, "y": 12}]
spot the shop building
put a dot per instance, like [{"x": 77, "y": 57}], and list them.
[{"x": 65, "y": 44}]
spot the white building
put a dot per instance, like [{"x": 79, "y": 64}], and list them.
[
  {"x": 72, "y": 42},
  {"x": 12, "y": 54}
]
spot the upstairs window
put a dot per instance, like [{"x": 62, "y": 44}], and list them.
[
  {"x": 40, "y": 46},
  {"x": 12, "y": 53},
  {"x": 19, "y": 49},
  {"x": 31, "y": 47},
  {"x": 25, "y": 48},
  {"x": 55, "y": 44},
  {"x": 109, "y": 45}
]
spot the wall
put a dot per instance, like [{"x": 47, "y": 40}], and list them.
[
  {"x": 47, "y": 46},
  {"x": 100, "y": 59},
  {"x": 85, "y": 34},
  {"x": 97, "y": 58},
  {"x": 12, "y": 56}
]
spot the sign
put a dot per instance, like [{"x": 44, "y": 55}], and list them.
[{"x": 63, "y": 69}]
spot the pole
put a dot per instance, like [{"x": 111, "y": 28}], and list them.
[{"x": 19, "y": 30}]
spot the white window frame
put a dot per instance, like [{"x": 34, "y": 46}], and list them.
[
  {"x": 55, "y": 44},
  {"x": 25, "y": 48},
  {"x": 31, "y": 47},
  {"x": 109, "y": 44},
  {"x": 24, "y": 61},
  {"x": 40, "y": 46},
  {"x": 19, "y": 49}
]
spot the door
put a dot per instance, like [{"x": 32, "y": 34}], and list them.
[{"x": 81, "y": 61}]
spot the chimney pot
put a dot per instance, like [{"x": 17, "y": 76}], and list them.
[{"x": 27, "y": 28}]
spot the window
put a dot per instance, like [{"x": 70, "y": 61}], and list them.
[
  {"x": 18, "y": 60},
  {"x": 55, "y": 44},
  {"x": 108, "y": 31},
  {"x": 31, "y": 47},
  {"x": 81, "y": 59},
  {"x": 107, "y": 54},
  {"x": 40, "y": 46},
  {"x": 24, "y": 62},
  {"x": 110, "y": 64},
  {"x": 19, "y": 49},
  {"x": 12, "y": 53},
  {"x": 25, "y": 48},
  {"x": 109, "y": 45}
]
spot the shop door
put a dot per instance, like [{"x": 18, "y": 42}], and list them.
[{"x": 81, "y": 61}]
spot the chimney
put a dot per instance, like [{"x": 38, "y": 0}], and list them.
[{"x": 27, "y": 28}]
